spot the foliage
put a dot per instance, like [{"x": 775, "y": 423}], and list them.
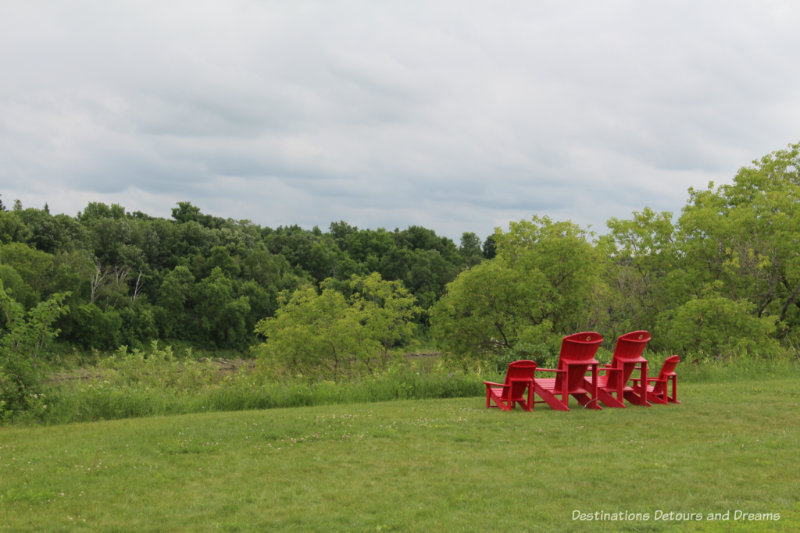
[
  {"x": 329, "y": 335},
  {"x": 541, "y": 283},
  {"x": 387, "y": 308},
  {"x": 200, "y": 280},
  {"x": 642, "y": 272},
  {"x": 717, "y": 327},
  {"x": 24, "y": 336},
  {"x": 745, "y": 235}
]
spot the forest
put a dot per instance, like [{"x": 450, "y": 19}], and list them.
[{"x": 718, "y": 281}]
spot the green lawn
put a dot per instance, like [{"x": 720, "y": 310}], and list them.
[{"x": 417, "y": 466}]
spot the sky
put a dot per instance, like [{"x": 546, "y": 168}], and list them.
[{"x": 459, "y": 116}]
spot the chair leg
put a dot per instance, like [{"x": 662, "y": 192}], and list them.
[
  {"x": 551, "y": 399},
  {"x": 674, "y": 397},
  {"x": 636, "y": 399},
  {"x": 638, "y": 396},
  {"x": 587, "y": 401},
  {"x": 608, "y": 399}
]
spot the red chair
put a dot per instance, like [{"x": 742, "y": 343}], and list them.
[
  {"x": 658, "y": 391},
  {"x": 519, "y": 379},
  {"x": 613, "y": 384},
  {"x": 574, "y": 361}
]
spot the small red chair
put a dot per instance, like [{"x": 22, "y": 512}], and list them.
[
  {"x": 574, "y": 361},
  {"x": 658, "y": 391},
  {"x": 613, "y": 384},
  {"x": 519, "y": 380}
]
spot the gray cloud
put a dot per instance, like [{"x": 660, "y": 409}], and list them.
[{"x": 459, "y": 116}]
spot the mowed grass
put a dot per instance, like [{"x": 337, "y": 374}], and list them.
[{"x": 448, "y": 465}]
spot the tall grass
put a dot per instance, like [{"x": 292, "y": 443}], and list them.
[
  {"x": 157, "y": 381},
  {"x": 137, "y": 383}
]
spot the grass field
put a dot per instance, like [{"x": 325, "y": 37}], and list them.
[{"x": 419, "y": 465}]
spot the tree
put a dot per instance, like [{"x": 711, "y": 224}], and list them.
[
  {"x": 185, "y": 212},
  {"x": 490, "y": 309},
  {"x": 24, "y": 336},
  {"x": 89, "y": 326},
  {"x": 470, "y": 249},
  {"x": 714, "y": 327},
  {"x": 330, "y": 335},
  {"x": 542, "y": 284},
  {"x": 174, "y": 297},
  {"x": 319, "y": 336},
  {"x": 35, "y": 267},
  {"x": 388, "y": 309},
  {"x": 643, "y": 271},
  {"x": 743, "y": 237},
  {"x": 12, "y": 228},
  {"x": 222, "y": 315}
]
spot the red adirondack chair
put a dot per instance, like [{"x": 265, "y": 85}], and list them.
[
  {"x": 519, "y": 380},
  {"x": 658, "y": 391},
  {"x": 574, "y": 361},
  {"x": 613, "y": 384}
]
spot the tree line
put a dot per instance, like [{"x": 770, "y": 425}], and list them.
[
  {"x": 131, "y": 278},
  {"x": 719, "y": 280}
]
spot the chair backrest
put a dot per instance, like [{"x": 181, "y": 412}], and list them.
[
  {"x": 668, "y": 369},
  {"x": 577, "y": 353},
  {"x": 628, "y": 353},
  {"x": 523, "y": 369},
  {"x": 517, "y": 371},
  {"x": 630, "y": 346}
]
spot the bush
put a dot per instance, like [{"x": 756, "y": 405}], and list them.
[
  {"x": 718, "y": 328},
  {"x": 24, "y": 336}
]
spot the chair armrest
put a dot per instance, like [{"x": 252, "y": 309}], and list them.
[
  {"x": 649, "y": 380},
  {"x": 550, "y": 370},
  {"x": 607, "y": 369},
  {"x": 493, "y": 384}
]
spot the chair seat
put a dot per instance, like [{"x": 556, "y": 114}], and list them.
[
  {"x": 602, "y": 382},
  {"x": 517, "y": 388},
  {"x": 550, "y": 384}
]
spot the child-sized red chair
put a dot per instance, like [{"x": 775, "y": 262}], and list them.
[
  {"x": 657, "y": 388},
  {"x": 574, "y": 361},
  {"x": 517, "y": 389}
]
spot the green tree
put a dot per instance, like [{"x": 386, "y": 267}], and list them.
[
  {"x": 715, "y": 327},
  {"x": 388, "y": 309},
  {"x": 319, "y": 335},
  {"x": 222, "y": 315},
  {"x": 544, "y": 282},
  {"x": 174, "y": 300},
  {"x": 742, "y": 238},
  {"x": 12, "y": 228},
  {"x": 25, "y": 334},
  {"x": 330, "y": 335},
  {"x": 644, "y": 272},
  {"x": 16, "y": 286},
  {"x": 470, "y": 249},
  {"x": 35, "y": 267},
  {"x": 89, "y": 326}
]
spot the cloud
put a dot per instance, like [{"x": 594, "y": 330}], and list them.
[{"x": 459, "y": 116}]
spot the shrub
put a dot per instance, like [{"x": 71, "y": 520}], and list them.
[{"x": 25, "y": 335}]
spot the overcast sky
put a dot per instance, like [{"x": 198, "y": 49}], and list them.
[{"x": 454, "y": 115}]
